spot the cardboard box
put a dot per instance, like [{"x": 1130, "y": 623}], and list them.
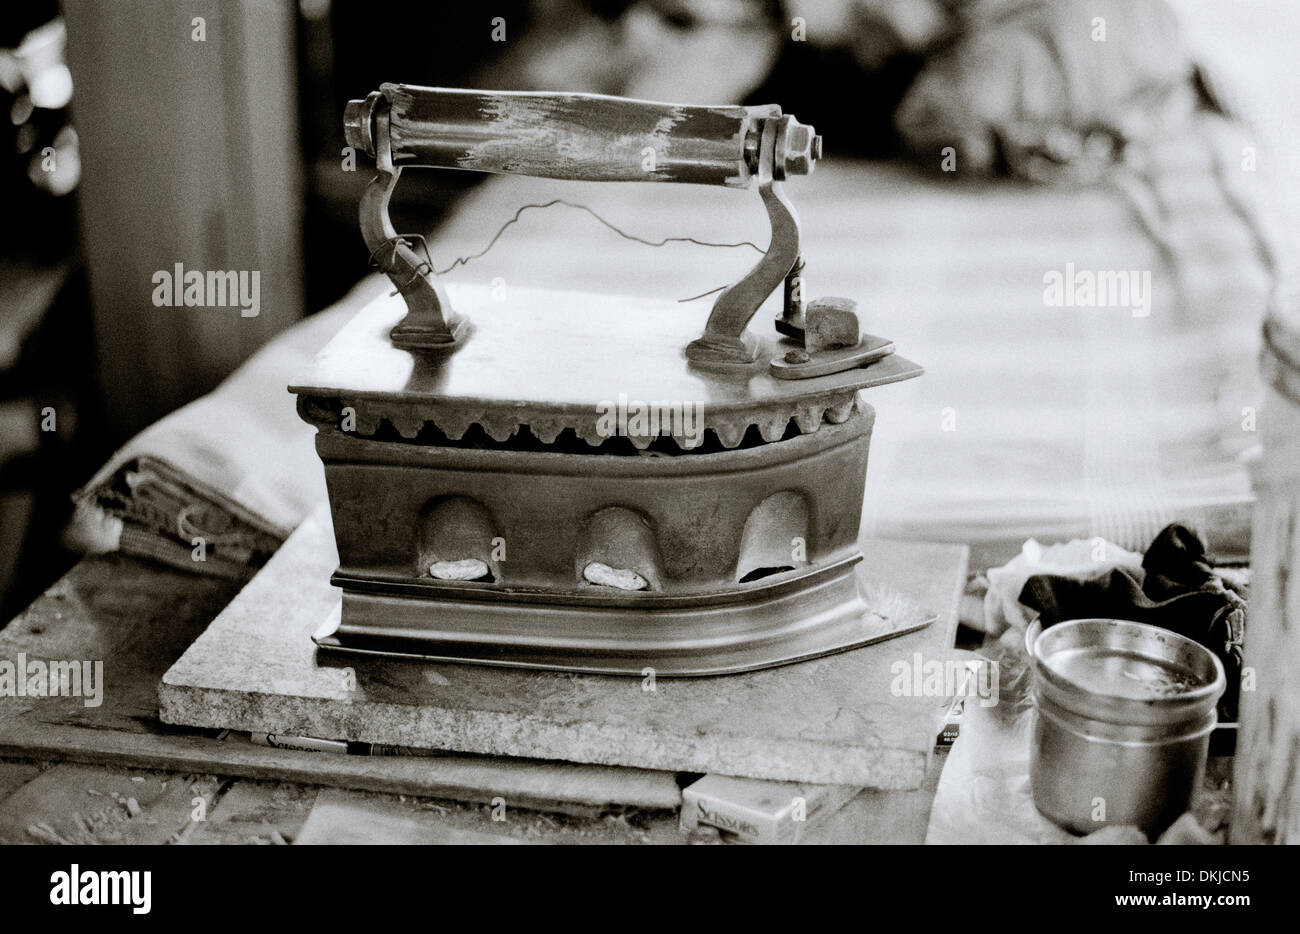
[{"x": 747, "y": 810}]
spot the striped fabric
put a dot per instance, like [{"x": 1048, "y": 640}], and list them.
[{"x": 1032, "y": 420}]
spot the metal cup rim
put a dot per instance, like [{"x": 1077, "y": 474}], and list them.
[{"x": 1203, "y": 696}]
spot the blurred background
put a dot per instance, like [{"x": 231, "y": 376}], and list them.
[
  {"x": 135, "y": 134},
  {"x": 133, "y": 138}
]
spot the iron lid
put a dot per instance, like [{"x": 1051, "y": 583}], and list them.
[{"x": 554, "y": 360}]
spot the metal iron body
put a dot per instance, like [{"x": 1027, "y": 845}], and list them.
[{"x": 626, "y": 492}]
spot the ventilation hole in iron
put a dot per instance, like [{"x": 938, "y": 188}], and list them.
[
  {"x": 467, "y": 569},
  {"x": 760, "y": 573},
  {"x": 602, "y": 575}
]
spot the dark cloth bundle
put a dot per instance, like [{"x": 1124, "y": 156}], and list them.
[{"x": 1179, "y": 592}]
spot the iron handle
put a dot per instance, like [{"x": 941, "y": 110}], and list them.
[{"x": 579, "y": 137}]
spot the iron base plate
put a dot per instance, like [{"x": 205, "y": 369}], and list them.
[{"x": 791, "y": 621}]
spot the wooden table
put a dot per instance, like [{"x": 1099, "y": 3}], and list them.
[{"x": 114, "y": 773}]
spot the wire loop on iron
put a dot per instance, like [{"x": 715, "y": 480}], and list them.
[{"x": 422, "y": 269}]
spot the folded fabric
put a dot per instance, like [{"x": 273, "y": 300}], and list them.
[
  {"x": 170, "y": 516},
  {"x": 1178, "y": 590},
  {"x": 217, "y": 485},
  {"x": 1051, "y": 90}
]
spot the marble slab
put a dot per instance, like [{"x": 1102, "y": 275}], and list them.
[{"x": 832, "y": 720}]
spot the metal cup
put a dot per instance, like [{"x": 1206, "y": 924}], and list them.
[{"x": 1123, "y": 713}]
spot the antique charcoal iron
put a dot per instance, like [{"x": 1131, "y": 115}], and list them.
[{"x": 586, "y": 482}]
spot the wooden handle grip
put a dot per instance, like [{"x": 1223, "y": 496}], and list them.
[{"x": 582, "y": 137}]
